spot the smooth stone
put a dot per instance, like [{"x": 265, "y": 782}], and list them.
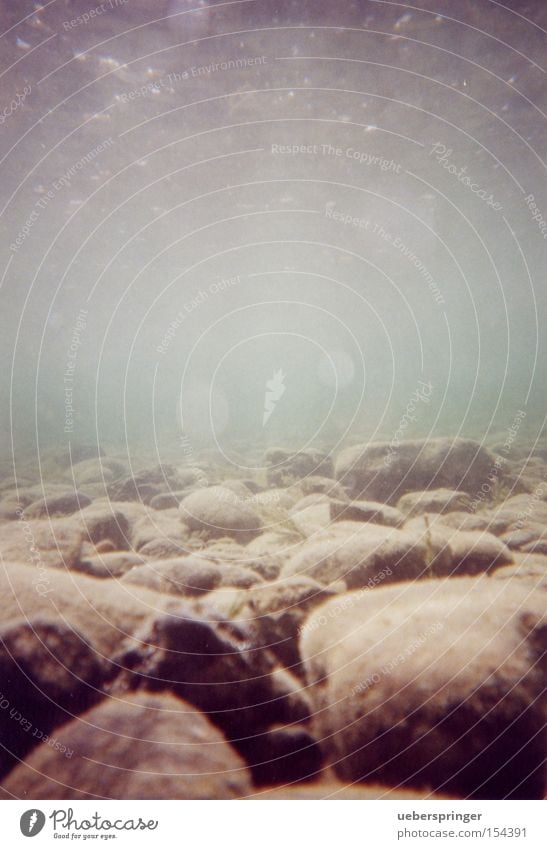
[
  {"x": 138, "y": 747},
  {"x": 433, "y": 684},
  {"x": 433, "y": 501},
  {"x": 361, "y": 554},
  {"x": 366, "y": 511},
  {"x": 43, "y": 542},
  {"x": 57, "y": 505},
  {"x": 379, "y": 471},
  {"x": 186, "y": 576},
  {"x": 219, "y": 512},
  {"x": 48, "y": 674}
]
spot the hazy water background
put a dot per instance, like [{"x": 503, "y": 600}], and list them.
[{"x": 162, "y": 260}]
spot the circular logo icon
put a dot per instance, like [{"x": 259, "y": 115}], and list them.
[{"x": 32, "y": 822}]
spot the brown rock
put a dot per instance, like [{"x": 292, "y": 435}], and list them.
[
  {"x": 433, "y": 684},
  {"x": 103, "y": 521},
  {"x": 434, "y": 501},
  {"x": 104, "y": 619},
  {"x": 138, "y": 747},
  {"x": 366, "y": 511},
  {"x": 219, "y": 512},
  {"x": 360, "y": 553},
  {"x": 186, "y": 576},
  {"x": 48, "y": 674},
  {"x": 211, "y": 662},
  {"x": 111, "y": 564},
  {"x": 380, "y": 471},
  {"x": 44, "y": 542}
]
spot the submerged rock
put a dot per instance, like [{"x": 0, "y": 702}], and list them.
[
  {"x": 162, "y": 548},
  {"x": 162, "y": 528},
  {"x": 105, "y": 619},
  {"x": 187, "y": 576},
  {"x": 433, "y": 501},
  {"x": 213, "y": 663},
  {"x": 46, "y": 543},
  {"x": 12, "y": 505},
  {"x": 433, "y": 684},
  {"x": 361, "y": 554},
  {"x": 138, "y": 747},
  {"x": 317, "y": 483},
  {"x": 284, "y": 468},
  {"x": 366, "y": 511},
  {"x": 464, "y": 552},
  {"x": 380, "y": 472},
  {"x": 280, "y": 610},
  {"x": 110, "y": 564},
  {"x": 48, "y": 674},
  {"x": 103, "y": 521},
  {"x": 283, "y": 754},
  {"x": 220, "y": 512}
]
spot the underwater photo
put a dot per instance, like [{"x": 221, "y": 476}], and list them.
[{"x": 273, "y": 458}]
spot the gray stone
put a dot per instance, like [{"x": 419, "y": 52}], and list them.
[
  {"x": 161, "y": 548},
  {"x": 158, "y": 525},
  {"x": 465, "y": 552},
  {"x": 317, "y": 483}
]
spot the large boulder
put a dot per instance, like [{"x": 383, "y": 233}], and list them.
[
  {"x": 43, "y": 542},
  {"x": 284, "y": 468},
  {"x": 308, "y": 516},
  {"x": 110, "y": 564},
  {"x": 138, "y": 747},
  {"x": 433, "y": 501},
  {"x": 186, "y": 576},
  {"x": 104, "y": 619},
  {"x": 279, "y": 611},
  {"x": 464, "y": 552},
  {"x": 361, "y": 554},
  {"x": 380, "y": 472},
  {"x": 103, "y": 521},
  {"x": 156, "y": 526},
  {"x": 219, "y": 512},
  {"x": 48, "y": 674},
  {"x": 62, "y": 504},
  {"x": 366, "y": 511},
  {"x": 433, "y": 684},
  {"x": 516, "y": 512},
  {"x": 211, "y": 662}
]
